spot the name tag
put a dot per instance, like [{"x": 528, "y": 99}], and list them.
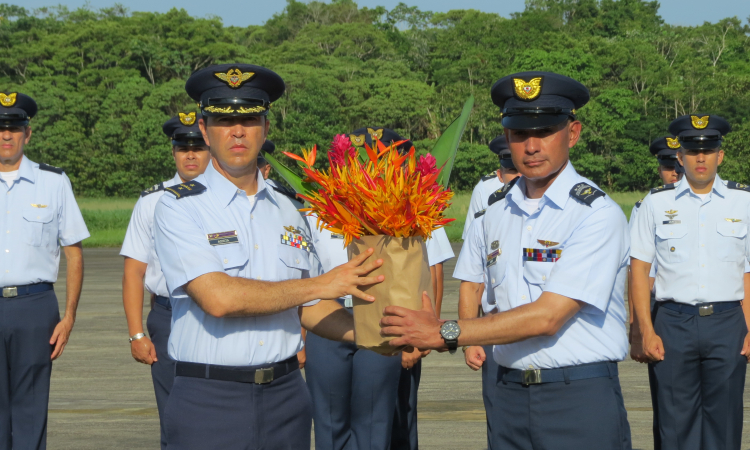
[
  {"x": 671, "y": 222},
  {"x": 492, "y": 258},
  {"x": 223, "y": 238},
  {"x": 337, "y": 236}
]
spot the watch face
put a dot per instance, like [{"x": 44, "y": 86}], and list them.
[{"x": 450, "y": 331}]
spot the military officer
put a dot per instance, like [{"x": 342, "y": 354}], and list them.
[
  {"x": 41, "y": 215},
  {"x": 263, "y": 166},
  {"x": 555, "y": 252},
  {"x": 698, "y": 342},
  {"x": 242, "y": 276},
  {"x": 191, "y": 158}
]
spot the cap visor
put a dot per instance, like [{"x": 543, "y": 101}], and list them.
[
  {"x": 533, "y": 121},
  {"x": 701, "y": 145}
]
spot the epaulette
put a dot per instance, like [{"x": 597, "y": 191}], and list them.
[
  {"x": 48, "y": 168},
  {"x": 586, "y": 193},
  {"x": 489, "y": 176},
  {"x": 501, "y": 193},
  {"x": 283, "y": 190},
  {"x": 479, "y": 214},
  {"x": 152, "y": 189},
  {"x": 638, "y": 203},
  {"x": 186, "y": 189},
  {"x": 666, "y": 187},
  {"x": 738, "y": 186}
]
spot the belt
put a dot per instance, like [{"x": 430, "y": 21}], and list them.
[
  {"x": 17, "y": 291},
  {"x": 566, "y": 374},
  {"x": 247, "y": 374},
  {"x": 163, "y": 301},
  {"x": 703, "y": 309}
]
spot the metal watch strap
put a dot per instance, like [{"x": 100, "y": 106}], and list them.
[{"x": 136, "y": 336}]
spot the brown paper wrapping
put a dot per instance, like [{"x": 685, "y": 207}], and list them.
[{"x": 407, "y": 275}]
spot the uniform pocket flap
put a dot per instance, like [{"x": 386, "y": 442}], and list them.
[
  {"x": 732, "y": 229},
  {"x": 40, "y": 215},
  {"x": 671, "y": 231},
  {"x": 537, "y": 272},
  {"x": 232, "y": 256},
  {"x": 293, "y": 257}
]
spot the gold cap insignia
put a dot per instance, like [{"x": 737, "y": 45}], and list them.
[
  {"x": 234, "y": 77},
  {"x": 357, "y": 139},
  {"x": 528, "y": 90},
  {"x": 7, "y": 100},
  {"x": 547, "y": 243},
  {"x": 699, "y": 123},
  {"x": 187, "y": 119},
  {"x": 376, "y": 134},
  {"x": 673, "y": 143}
]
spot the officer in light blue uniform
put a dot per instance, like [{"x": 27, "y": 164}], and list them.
[
  {"x": 263, "y": 165},
  {"x": 555, "y": 255},
  {"x": 488, "y": 183},
  {"x": 238, "y": 260},
  {"x": 142, "y": 264},
  {"x": 40, "y": 215},
  {"x": 696, "y": 230}
]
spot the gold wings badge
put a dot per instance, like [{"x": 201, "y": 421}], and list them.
[
  {"x": 673, "y": 143},
  {"x": 528, "y": 90},
  {"x": 376, "y": 134},
  {"x": 672, "y": 213},
  {"x": 357, "y": 139},
  {"x": 7, "y": 100},
  {"x": 699, "y": 123},
  {"x": 234, "y": 77},
  {"x": 547, "y": 244},
  {"x": 187, "y": 119}
]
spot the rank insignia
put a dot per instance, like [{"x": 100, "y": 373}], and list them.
[
  {"x": 672, "y": 213},
  {"x": 295, "y": 239},
  {"x": 37, "y": 205},
  {"x": 733, "y": 220},
  {"x": 492, "y": 257},
  {"x": 547, "y": 243},
  {"x": 673, "y": 143},
  {"x": 376, "y": 134},
  {"x": 7, "y": 100},
  {"x": 495, "y": 245},
  {"x": 223, "y": 238},
  {"x": 541, "y": 255},
  {"x": 187, "y": 119},
  {"x": 186, "y": 189},
  {"x": 699, "y": 123},
  {"x": 234, "y": 77},
  {"x": 586, "y": 193},
  {"x": 528, "y": 90},
  {"x": 357, "y": 139}
]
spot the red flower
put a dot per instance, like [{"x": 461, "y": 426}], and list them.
[
  {"x": 341, "y": 147},
  {"x": 427, "y": 165}
]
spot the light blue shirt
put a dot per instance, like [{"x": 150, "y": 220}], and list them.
[
  {"x": 479, "y": 198},
  {"x": 438, "y": 247},
  {"x": 593, "y": 244},
  {"x": 252, "y": 245},
  {"x": 471, "y": 263},
  {"x": 633, "y": 214},
  {"x": 40, "y": 213},
  {"x": 139, "y": 239},
  {"x": 700, "y": 246}
]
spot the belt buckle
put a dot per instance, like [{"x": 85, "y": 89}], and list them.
[
  {"x": 705, "y": 310},
  {"x": 264, "y": 376},
  {"x": 532, "y": 376},
  {"x": 10, "y": 292}
]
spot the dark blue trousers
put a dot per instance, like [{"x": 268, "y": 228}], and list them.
[
  {"x": 582, "y": 414},
  {"x": 353, "y": 393},
  {"x": 489, "y": 385},
  {"x": 700, "y": 382},
  {"x": 652, "y": 386},
  {"x": 405, "y": 436},
  {"x": 26, "y": 325},
  {"x": 211, "y": 414},
  {"x": 159, "y": 325}
]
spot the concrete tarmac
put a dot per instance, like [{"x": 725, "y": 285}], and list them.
[{"x": 103, "y": 399}]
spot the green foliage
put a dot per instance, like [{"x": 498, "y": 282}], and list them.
[{"x": 107, "y": 79}]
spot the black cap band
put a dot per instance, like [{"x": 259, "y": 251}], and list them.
[
  {"x": 188, "y": 140},
  {"x": 235, "y": 106},
  {"x": 701, "y": 142}
]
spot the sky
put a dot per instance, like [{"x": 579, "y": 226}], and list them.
[{"x": 256, "y": 12}]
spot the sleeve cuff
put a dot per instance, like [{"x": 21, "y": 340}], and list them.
[
  {"x": 74, "y": 240},
  {"x": 641, "y": 256},
  {"x": 596, "y": 305},
  {"x": 463, "y": 276}
]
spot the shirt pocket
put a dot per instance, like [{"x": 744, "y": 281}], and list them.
[
  {"x": 233, "y": 258},
  {"x": 730, "y": 244},
  {"x": 292, "y": 262},
  {"x": 672, "y": 243},
  {"x": 38, "y": 225},
  {"x": 537, "y": 272}
]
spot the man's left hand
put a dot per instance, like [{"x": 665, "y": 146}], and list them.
[
  {"x": 746, "y": 347},
  {"x": 420, "y": 329},
  {"x": 302, "y": 358},
  {"x": 60, "y": 337}
]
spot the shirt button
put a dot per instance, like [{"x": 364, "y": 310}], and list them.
[
  {"x": 251, "y": 216},
  {"x": 671, "y": 234},
  {"x": 8, "y": 232},
  {"x": 256, "y": 246},
  {"x": 544, "y": 277},
  {"x": 529, "y": 228},
  {"x": 493, "y": 281},
  {"x": 702, "y": 286},
  {"x": 39, "y": 217},
  {"x": 296, "y": 260},
  {"x": 702, "y": 245},
  {"x": 226, "y": 261},
  {"x": 7, "y": 251},
  {"x": 257, "y": 278},
  {"x": 523, "y": 297},
  {"x": 261, "y": 343},
  {"x": 702, "y": 224},
  {"x": 703, "y": 265},
  {"x": 239, "y": 191}
]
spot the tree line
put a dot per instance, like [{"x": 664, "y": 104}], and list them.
[{"x": 106, "y": 80}]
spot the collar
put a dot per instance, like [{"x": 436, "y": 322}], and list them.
[
  {"x": 558, "y": 193},
  {"x": 719, "y": 187},
  {"x": 174, "y": 181},
  {"x": 26, "y": 170},
  {"x": 225, "y": 190}
]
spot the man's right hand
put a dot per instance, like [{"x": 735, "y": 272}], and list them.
[
  {"x": 653, "y": 347},
  {"x": 143, "y": 350},
  {"x": 475, "y": 357},
  {"x": 347, "y": 278}
]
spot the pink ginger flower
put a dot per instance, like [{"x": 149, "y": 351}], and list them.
[
  {"x": 341, "y": 147},
  {"x": 427, "y": 165}
]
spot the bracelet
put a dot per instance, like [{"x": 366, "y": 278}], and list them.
[
  {"x": 463, "y": 349},
  {"x": 136, "y": 336}
]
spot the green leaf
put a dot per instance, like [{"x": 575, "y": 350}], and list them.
[
  {"x": 294, "y": 180},
  {"x": 446, "y": 146}
]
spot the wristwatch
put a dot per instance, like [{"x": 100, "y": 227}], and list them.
[
  {"x": 135, "y": 337},
  {"x": 450, "y": 331}
]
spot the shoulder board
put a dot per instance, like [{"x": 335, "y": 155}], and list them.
[
  {"x": 501, "y": 193},
  {"x": 152, "y": 189},
  {"x": 666, "y": 187},
  {"x": 638, "y": 203},
  {"x": 186, "y": 189},
  {"x": 489, "y": 176},
  {"x": 48, "y": 168},
  {"x": 738, "y": 186},
  {"x": 586, "y": 193},
  {"x": 479, "y": 214},
  {"x": 283, "y": 190}
]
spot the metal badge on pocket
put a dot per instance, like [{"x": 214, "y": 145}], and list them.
[{"x": 223, "y": 238}]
